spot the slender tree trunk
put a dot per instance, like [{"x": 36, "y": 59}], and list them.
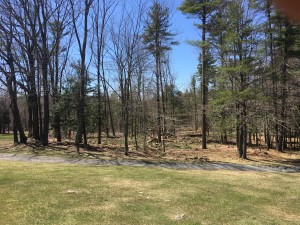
[
  {"x": 99, "y": 113},
  {"x": 157, "y": 73},
  {"x": 283, "y": 90},
  {"x": 84, "y": 133},
  {"x": 83, "y": 76},
  {"x": 56, "y": 94},
  {"x": 241, "y": 130},
  {"x": 107, "y": 103},
  {"x": 106, "y": 118},
  {"x": 39, "y": 116},
  {"x": 42, "y": 9},
  {"x": 267, "y": 137},
  {"x": 111, "y": 117},
  {"x": 125, "y": 110},
  {"x": 204, "y": 80},
  {"x": 274, "y": 76},
  {"x": 15, "y": 130},
  {"x": 46, "y": 104},
  {"x": 99, "y": 36},
  {"x": 126, "y": 128},
  {"x": 244, "y": 127},
  {"x": 126, "y": 135},
  {"x": 163, "y": 102},
  {"x": 195, "y": 107},
  {"x": 12, "y": 90},
  {"x": 29, "y": 119},
  {"x": 133, "y": 117},
  {"x": 249, "y": 139},
  {"x": 144, "y": 118},
  {"x": 243, "y": 116},
  {"x": 136, "y": 132},
  {"x": 33, "y": 105}
]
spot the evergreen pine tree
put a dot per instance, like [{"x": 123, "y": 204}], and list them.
[{"x": 158, "y": 39}]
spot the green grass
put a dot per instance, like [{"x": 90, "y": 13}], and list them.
[
  {"x": 73, "y": 194},
  {"x": 7, "y": 137}
]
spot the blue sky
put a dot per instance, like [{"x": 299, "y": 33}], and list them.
[{"x": 184, "y": 57}]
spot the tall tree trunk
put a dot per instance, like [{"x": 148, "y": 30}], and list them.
[
  {"x": 274, "y": 76},
  {"x": 157, "y": 73},
  {"x": 33, "y": 107},
  {"x": 12, "y": 90},
  {"x": 29, "y": 119},
  {"x": 204, "y": 80},
  {"x": 99, "y": 119},
  {"x": 83, "y": 77},
  {"x": 55, "y": 94},
  {"x": 136, "y": 130},
  {"x": 46, "y": 103},
  {"x": 283, "y": 91},
  {"x": 106, "y": 118},
  {"x": 244, "y": 127},
  {"x": 15, "y": 131},
  {"x": 84, "y": 133},
  {"x": 107, "y": 103},
  {"x": 126, "y": 128},
  {"x": 195, "y": 104},
  {"x": 99, "y": 38},
  {"x": 163, "y": 102},
  {"x": 42, "y": 10},
  {"x": 110, "y": 115},
  {"x": 144, "y": 119}
]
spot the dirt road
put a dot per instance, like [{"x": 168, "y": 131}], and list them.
[{"x": 144, "y": 163}]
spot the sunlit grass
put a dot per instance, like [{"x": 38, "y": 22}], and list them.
[
  {"x": 7, "y": 137},
  {"x": 72, "y": 194}
]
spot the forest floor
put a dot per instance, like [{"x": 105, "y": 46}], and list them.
[{"x": 182, "y": 152}]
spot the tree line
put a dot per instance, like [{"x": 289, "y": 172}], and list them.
[
  {"x": 249, "y": 70},
  {"x": 102, "y": 67}
]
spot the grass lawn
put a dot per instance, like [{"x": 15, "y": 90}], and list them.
[
  {"x": 7, "y": 137},
  {"x": 72, "y": 194}
]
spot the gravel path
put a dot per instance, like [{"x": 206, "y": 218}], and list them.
[{"x": 144, "y": 163}]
